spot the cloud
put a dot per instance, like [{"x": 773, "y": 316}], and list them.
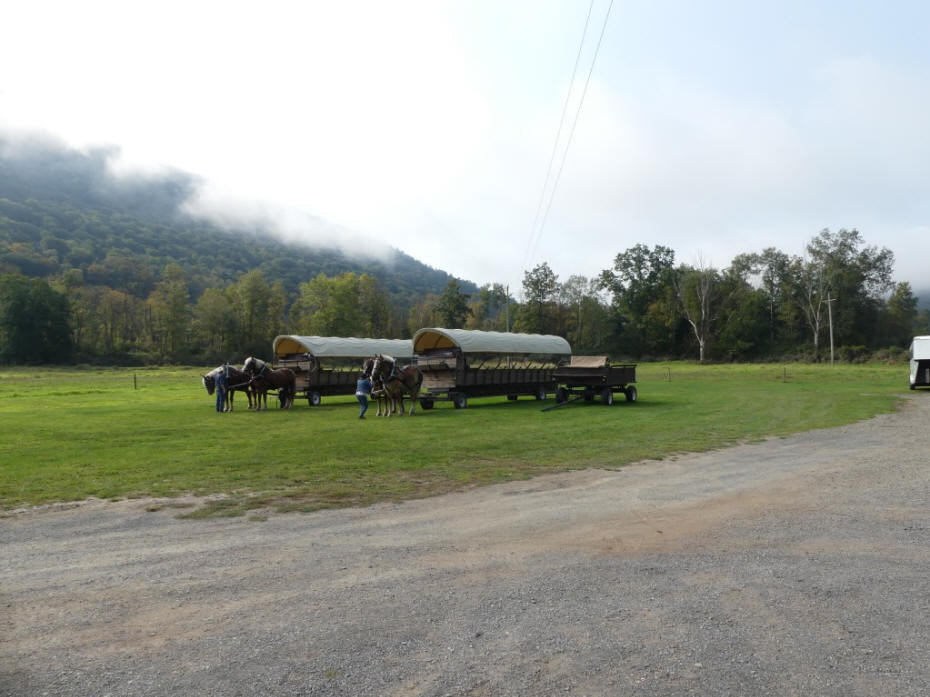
[{"x": 222, "y": 207}]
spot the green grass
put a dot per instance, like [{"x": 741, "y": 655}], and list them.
[{"x": 69, "y": 434}]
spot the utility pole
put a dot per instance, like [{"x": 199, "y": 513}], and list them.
[
  {"x": 830, "y": 315},
  {"x": 507, "y": 307}
]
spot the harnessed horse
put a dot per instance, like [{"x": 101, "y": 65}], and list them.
[
  {"x": 264, "y": 379},
  {"x": 396, "y": 382},
  {"x": 377, "y": 387},
  {"x": 237, "y": 382}
]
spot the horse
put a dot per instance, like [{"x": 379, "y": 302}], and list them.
[
  {"x": 377, "y": 387},
  {"x": 264, "y": 379},
  {"x": 237, "y": 381},
  {"x": 396, "y": 382}
]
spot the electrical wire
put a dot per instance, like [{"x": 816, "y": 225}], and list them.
[
  {"x": 558, "y": 136},
  {"x": 538, "y": 235}
]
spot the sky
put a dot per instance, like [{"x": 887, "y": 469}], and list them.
[{"x": 713, "y": 127}]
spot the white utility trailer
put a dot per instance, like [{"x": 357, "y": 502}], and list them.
[{"x": 920, "y": 362}]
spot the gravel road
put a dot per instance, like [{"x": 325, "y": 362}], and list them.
[{"x": 796, "y": 566}]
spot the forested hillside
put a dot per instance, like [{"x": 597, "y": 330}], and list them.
[
  {"x": 109, "y": 270},
  {"x": 60, "y": 210}
]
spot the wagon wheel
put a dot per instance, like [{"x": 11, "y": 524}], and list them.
[
  {"x": 541, "y": 393},
  {"x": 630, "y": 393},
  {"x": 607, "y": 396},
  {"x": 512, "y": 397},
  {"x": 588, "y": 394},
  {"x": 459, "y": 401},
  {"x": 314, "y": 398},
  {"x": 561, "y": 395},
  {"x": 426, "y": 403}
]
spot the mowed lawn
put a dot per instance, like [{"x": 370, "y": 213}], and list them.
[{"x": 70, "y": 434}]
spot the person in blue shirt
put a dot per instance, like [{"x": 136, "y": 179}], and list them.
[
  {"x": 362, "y": 393},
  {"x": 222, "y": 384}
]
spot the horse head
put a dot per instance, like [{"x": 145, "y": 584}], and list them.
[
  {"x": 251, "y": 365},
  {"x": 209, "y": 383}
]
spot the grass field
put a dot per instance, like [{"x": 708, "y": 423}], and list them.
[{"x": 69, "y": 434}]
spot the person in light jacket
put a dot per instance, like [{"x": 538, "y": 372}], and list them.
[{"x": 362, "y": 393}]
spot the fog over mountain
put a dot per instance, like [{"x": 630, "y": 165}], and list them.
[{"x": 62, "y": 208}]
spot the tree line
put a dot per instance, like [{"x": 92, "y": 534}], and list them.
[{"x": 763, "y": 306}]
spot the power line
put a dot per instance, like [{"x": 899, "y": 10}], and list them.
[
  {"x": 538, "y": 236},
  {"x": 558, "y": 136}
]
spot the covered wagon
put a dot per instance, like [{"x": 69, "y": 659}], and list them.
[
  {"x": 458, "y": 364},
  {"x": 330, "y": 365}
]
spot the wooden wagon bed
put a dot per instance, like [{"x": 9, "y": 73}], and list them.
[
  {"x": 458, "y": 364},
  {"x": 594, "y": 376}
]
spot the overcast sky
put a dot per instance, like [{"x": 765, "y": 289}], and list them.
[{"x": 712, "y": 127}]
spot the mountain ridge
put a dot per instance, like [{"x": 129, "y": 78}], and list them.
[{"x": 61, "y": 209}]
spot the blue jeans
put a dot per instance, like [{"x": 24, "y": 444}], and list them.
[
  {"x": 220, "y": 392},
  {"x": 363, "y": 403}
]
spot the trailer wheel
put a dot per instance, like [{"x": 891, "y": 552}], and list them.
[
  {"x": 561, "y": 395},
  {"x": 541, "y": 394},
  {"x": 630, "y": 393},
  {"x": 512, "y": 397},
  {"x": 607, "y": 396},
  {"x": 426, "y": 403},
  {"x": 459, "y": 401},
  {"x": 314, "y": 398},
  {"x": 588, "y": 394}
]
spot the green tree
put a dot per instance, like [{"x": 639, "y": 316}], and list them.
[
  {"x": 642, "y": 297},
  {"x": 214, "y": 325},
  {"x": 374, "y": 306},
  {"x": 540, "y": 291},
  {"x": 255, "y": 312},
  {"x": 901, "y": 316},
  {"x": 490, "y": 308},
  {"x": 452, "y": 306},
  {"x": 423, "y": 314},
  {"x": 170, "y": 310},
  {"x": 586, "y": 319},
  {"x": 743, "y": 326},
  {"x": 856, "y": 276},
  {"x": 346, "y": 305},
  {"x": 34, "y": 321},
  {"x": 698, "y": 290}
]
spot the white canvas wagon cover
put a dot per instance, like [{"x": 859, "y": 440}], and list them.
[
  {"x": 474, "y": 341},
  {"x": 341, "y": 347}
]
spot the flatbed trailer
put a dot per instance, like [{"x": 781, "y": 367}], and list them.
[
  {"x": 458, "y": 364},
  {"x": 331, "y": 365},
  {"x": 587, "y": 377}
]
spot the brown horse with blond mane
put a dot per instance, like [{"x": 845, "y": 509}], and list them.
[{"x": 395, "y": 382}]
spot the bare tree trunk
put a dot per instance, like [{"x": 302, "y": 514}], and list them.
[
  {"x": 813, "y": 283},
  {"x": 698, "y": 314}
]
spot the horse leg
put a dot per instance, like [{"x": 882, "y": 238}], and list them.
[{"x": 229, "y": 400}]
